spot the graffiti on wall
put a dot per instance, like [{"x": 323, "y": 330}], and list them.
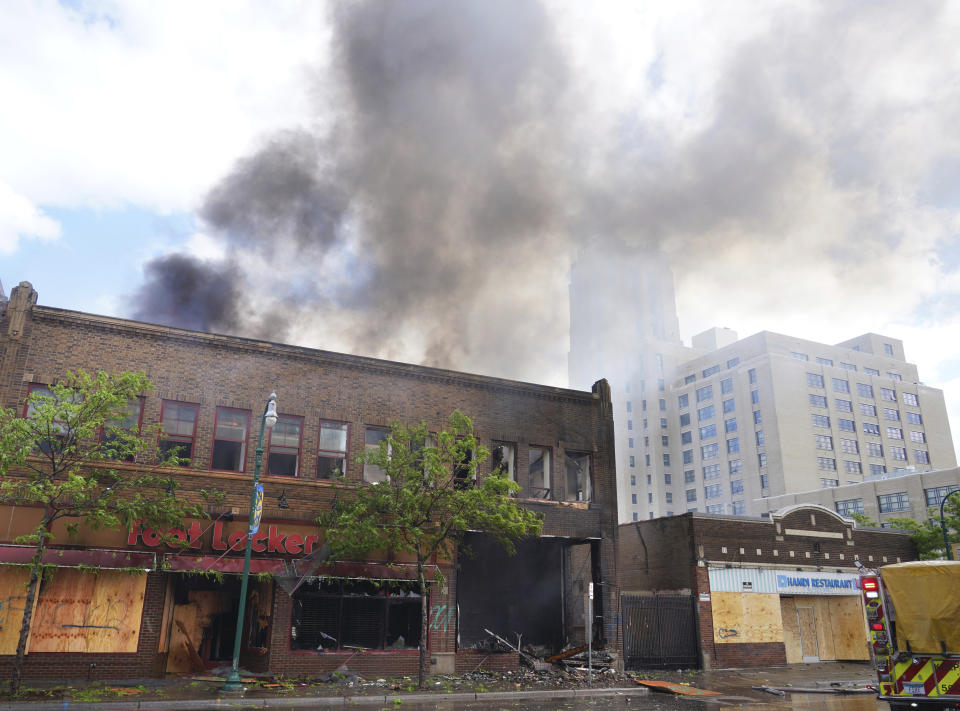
[{"x": 441, "y": 617}]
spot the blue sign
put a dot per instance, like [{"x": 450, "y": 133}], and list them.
[
  {"x": 814, "y": 582},
  {"x": 257, "y": 510}
]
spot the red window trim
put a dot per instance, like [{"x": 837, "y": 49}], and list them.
[
  {"x": 179, "y": 438},
  {"x": 321, "y": 451},
  {"x": 30, "y": 389},
  {"x": 141, "y": 399},
  {"x": 269, "y": 445},
  {"x": 245, "y": 440}
]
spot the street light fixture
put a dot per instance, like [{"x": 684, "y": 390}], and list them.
[
  {"x": 943, "y": 525},
  {"x": 269, "y": 419}
]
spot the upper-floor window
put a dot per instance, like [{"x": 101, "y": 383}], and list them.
[
  {"x": 910, "y": 399},
  {"x": 726, "y": 386},
  {"x": 230, "y": 439},
  {"x": 840, "y": 385},
  {"x": 178, "y": 429},
  {"x": 888, "y": 349},
  {"x": 539, "y": 469},
  {"x": 824, "y": 361},
  {"x": 59, "y": 429},
  {"x": 704, "y": 393},
  {"x": 372, "y": 437},
  {"x": 579, "y": 484},
  {"x": 864, "y": 390},
  {"x": 503, "y": 457},
  {"x": 129, "y": 421},
  {"x": 888, "y": 394},
  {"x": 332, "y": 449},
  {"x": 871, "y": 371},
  {"x": 893, "y": 502},
  {"x": 283, "y": 450}
]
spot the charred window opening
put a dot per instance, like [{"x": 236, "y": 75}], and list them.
[
  {"x": 463, "y": 478},
  {"x": 539, "y": 470},
  {"x": 372, "y": 438},
  {"x": 332, "y": 615},
  {"x": 579, "y": 476},
  {"x": 504, "y": 459}
]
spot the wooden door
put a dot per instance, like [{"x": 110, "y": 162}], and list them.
[{"x": 807, "y": 623}]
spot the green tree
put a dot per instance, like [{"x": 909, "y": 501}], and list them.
[
  {"x": 64, "y": 458},
  {"x": 926, "y": 535},
  {"x": 430, "y": 497}
]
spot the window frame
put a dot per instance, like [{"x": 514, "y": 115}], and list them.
[
  {"x": 269, "y": 448},
  {"x": 328, "y": 453},
  {"x": 547, "y": 491},
  {"x": 163, "y": 436},
  {"x": 245, "y": 442}
]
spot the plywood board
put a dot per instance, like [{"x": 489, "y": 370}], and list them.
[
  {"x": 821, "y": 608},
  {"x": 740, "y": 618},
  {"x": 13, "y": 599},
  {"x": 166, "y": 621},
  {"x": 807, "y": 624},
  {"x": 791, "y": 630},
  {"x": 86, "y": 612},
  {"x": 848, "y": 622},
  {"x": 189, "y": 622}
]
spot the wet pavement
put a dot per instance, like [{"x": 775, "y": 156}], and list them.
[{"x": 517, "y": 692}]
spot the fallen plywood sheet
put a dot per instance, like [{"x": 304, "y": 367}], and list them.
[{"x": 670, "y": 687}]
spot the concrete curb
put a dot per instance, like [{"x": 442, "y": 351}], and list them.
[{"x": 312, "y": 701}]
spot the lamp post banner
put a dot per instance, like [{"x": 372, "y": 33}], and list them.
[{"x": 257, "y": 511}]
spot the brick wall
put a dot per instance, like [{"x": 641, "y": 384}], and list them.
[{"x": 218, "y": 371}]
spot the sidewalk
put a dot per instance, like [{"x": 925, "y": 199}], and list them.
[{"x": 349, "y": 690}]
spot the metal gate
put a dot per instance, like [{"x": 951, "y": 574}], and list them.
[{"x": 659, "y": 631}]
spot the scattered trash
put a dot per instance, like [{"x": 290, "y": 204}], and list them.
[{"x": 770, "y": 690}]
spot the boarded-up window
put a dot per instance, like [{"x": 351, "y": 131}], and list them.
[{"x": 83, "y": 612}]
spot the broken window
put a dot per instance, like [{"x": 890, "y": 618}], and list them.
[
  {"x": 461, "y": 471},
  {"x": 504, "y": 458},
  {"x": 230, "y": 440},
  {"x": 332, "y": 450},
  {"x": 579, "y": 485},
  {"x": 283, "y": 454},
  {"x": 339, "y": 614},
  {"x": 372, "y": 438},
  {"x": 539, "y": 468},
  {"x": 178, "y": 423}
]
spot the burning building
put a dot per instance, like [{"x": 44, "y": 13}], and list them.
[{"x": 304, "y": 616}]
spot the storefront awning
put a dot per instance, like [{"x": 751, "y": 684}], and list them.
[
  {"x": 74, "y": 557},
  {"x": 221, "y": 565}
]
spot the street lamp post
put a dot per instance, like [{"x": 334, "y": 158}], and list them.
[
  {"x": 943, "y": 525},
  {"x": 269, "y": 419}
]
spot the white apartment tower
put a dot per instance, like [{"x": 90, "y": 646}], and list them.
[{"x": 722, "y": 425}]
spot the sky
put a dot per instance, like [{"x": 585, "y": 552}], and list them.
[{"x": 412, "y": 180}]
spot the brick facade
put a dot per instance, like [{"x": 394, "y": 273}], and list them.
[
  {"x": 676, "y": 554},
  {"x": 39, "y": 344}
]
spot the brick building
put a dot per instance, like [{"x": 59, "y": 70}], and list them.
[
  {"x": 210, "y": 392},
  {"x": 738, "y": 591}
]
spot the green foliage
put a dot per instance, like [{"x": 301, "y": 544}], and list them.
[
  {"x": 432, "y": 496},
  {"x": 57, "y": 458},
  {"x": 927, "y": 535},
  {"x": 79, "y": 458}
]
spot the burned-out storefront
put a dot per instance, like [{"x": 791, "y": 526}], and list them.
[
  {"x": 303, "y": 615},
  {"x": 338, "y": 614}
]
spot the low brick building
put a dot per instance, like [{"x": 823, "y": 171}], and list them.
[
  {"x": 737, "y": 591},
  {"x": 210, "y": 393}
]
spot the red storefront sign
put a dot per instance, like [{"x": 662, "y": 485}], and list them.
[{"x": 272, "y": 540}]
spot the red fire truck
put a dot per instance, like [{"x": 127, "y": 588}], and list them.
[{"x": 913, "y": 614}]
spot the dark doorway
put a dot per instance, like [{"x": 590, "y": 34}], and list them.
[{"x": 519, "y": 595}]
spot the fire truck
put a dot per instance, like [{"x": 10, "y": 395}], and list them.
[{"x": 913, "y": 615}]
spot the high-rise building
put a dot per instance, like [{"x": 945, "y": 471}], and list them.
[{"x": 722, "y": 425}]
